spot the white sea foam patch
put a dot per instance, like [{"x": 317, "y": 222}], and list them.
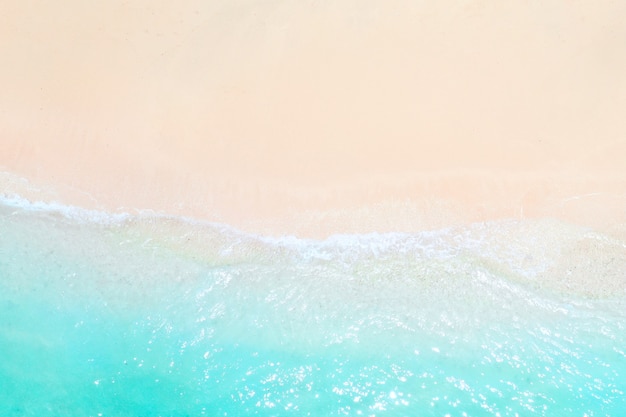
[{"x": 74, "y": 213}]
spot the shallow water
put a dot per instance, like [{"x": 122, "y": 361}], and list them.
[{"x": 146, "y": 315}]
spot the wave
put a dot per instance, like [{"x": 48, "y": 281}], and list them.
[
  {"x": 509, "y": 316},
  {"x": 541, "y": 252}
]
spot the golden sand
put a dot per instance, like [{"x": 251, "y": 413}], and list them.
[{"x": 318, "y": 117}]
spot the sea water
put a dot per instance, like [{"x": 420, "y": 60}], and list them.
[{"x": 150, "y": 315}]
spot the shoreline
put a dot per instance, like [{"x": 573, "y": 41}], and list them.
[
  {"x": 550, "y": 255},
  {"x": 393, "y": 204}
]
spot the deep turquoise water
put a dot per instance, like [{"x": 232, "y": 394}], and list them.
[{"x": 143, "y": 315}]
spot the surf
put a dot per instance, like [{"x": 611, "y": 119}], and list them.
[{"x": 149, "y": 314}]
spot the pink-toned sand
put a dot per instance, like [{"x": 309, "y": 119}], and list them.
[{"x": 318, "y": 117}]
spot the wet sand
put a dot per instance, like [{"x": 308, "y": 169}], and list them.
[{"x": 319, "y": 118}]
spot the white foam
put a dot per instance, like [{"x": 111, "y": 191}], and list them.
[
  {"x": 537, "y": 252},
  {"x": 70, "y": 212}
]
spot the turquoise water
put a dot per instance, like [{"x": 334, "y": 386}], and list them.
[{"x": 145, "y": 315}]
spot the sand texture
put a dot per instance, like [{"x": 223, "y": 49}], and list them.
[{"x": 318, "y": 117}]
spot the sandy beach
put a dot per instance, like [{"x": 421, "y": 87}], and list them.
[
  {"x": 319, "y": 117},
  {"x": 195, "y": 197}
]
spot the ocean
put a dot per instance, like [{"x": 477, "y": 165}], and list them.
[{"x": 151, "y": 315}]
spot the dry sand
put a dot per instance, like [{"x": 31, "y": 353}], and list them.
[{"x": 318, "y": 117}]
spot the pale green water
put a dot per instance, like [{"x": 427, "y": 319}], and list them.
[{"x": 155, "y": 316}]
